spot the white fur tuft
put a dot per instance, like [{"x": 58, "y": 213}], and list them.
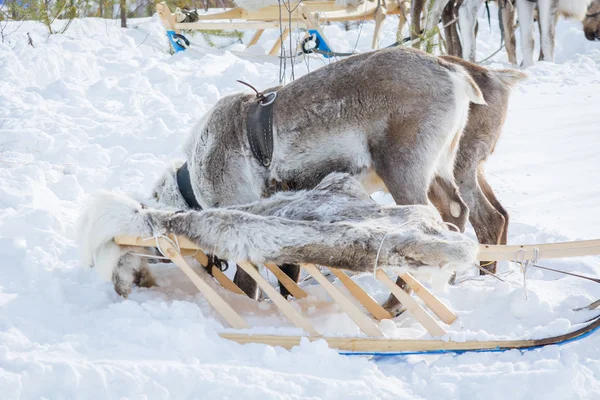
[
  {"x": 463, "y": 81},
  {"x": 106, "y": 216},
  {"x": 573, "y": 8}
]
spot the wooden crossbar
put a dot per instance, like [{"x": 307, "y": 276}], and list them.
[
  {"x": 486, "y": 252},
  {"x": 286, "y": 308},
  {"x": 220, "y": 305},
  {"x": 363, "y": 297},
  {"x": 546, "y": 250},
  {"x": 412, "y": 306},
  {"x": 286, "y": 281},
  {"x": 364, "y": 323},
  {"x": 433, "y": 302},
  {"x": 218, "y": 274}
]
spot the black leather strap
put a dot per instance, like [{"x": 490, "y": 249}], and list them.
[
  {"x": 185, "y": 187},
  {"x": 259, "y": 129}
]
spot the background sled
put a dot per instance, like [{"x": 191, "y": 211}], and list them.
[
  {"x": 307, "y": 15},
  {"x": 375, "y": 343}
]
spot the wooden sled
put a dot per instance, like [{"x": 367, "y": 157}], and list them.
[
  {"x": 307, "y": 15},
  {"x": 375, "y": 343}
]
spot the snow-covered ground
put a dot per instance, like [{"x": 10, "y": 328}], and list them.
[{"x": 106, "y": 108}]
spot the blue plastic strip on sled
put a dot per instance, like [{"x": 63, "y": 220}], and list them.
[
  {"x": 322, "y": 43},
  {"x": 496, "y": 350},
  {"x": 176, "y": 46}
]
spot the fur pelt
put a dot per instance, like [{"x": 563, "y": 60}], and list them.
[{"x": 335, "y": 224}]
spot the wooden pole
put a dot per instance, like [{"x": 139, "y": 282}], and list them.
[
  {"x": 220, "y": 305},
  {"x": 364, "y": 323},
  {"x": 284, "y": 306},
  {"x": 412, "y": 306},
  {"x": 363, "y": 297}
]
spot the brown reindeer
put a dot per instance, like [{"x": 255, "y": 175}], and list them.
[
  {"x": 591, "y": 23},
  {"x": 487, "y": 216}
]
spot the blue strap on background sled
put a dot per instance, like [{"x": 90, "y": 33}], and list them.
[
  {"x": 321, "y": 44},
  {"x": 176, "y": 41}
]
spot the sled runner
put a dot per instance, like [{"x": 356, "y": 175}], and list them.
[{"x": 375, "y": 343}]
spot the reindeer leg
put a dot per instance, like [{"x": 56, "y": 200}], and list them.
[
  {"x": 447, "y": 16},
  {"x": 291, "y": 270},
  {"x": 508, "y": 13},
  {"x": 491, "y": 197},
  {"x": 525, "y": 11},
  {"x": 246, "y": 283},
  {"x": 467, "y": 18},
  {"x": 416, "y": 8},
  {"x": 488, "y": 223},
  {"x": 445, "y": 196}
]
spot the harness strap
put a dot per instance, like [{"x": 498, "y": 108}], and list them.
[
  {"x": 184, "y": 184},
  {"x": 259, "y": 128}
]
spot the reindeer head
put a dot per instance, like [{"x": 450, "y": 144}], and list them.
[{"x": 591, "y": 23}]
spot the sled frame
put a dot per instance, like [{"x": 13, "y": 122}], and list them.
[
  {"x": 374, "y": 342},
  {"x": 351, "y": 305}
]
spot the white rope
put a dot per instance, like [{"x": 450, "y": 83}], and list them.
[
  {"x": 525, "y": 264},
  {"x": 156, "y": 236},
  {"x": 381, "y": 245}
]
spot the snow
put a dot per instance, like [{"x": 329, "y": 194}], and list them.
[{"x": 105, "y": 108}]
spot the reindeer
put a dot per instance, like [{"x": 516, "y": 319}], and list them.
[
  {"x": 392, "y": 118},
  {"x": 548, "y": 13},
  {"x": 591, "y": 23},
  {"x": 486, "y": 214}
]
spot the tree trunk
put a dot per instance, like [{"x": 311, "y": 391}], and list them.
[{"x": 123, "y": 13}]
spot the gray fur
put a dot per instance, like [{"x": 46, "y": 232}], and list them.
[
  {"x": 352, "y": 116},
  {"x": 487, "y": 216},
  {"x": 335, "y": 224},
  {"x": 392, "y": 116}
]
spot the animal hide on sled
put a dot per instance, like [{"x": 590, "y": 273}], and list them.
[{"x": 336, "y": 224}]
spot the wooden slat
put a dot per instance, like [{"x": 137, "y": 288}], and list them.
[
  {"x": 151, "y": 242},
  {"x": 234, "y": 13},
  {"x": 364, "y": 323},
  {"x": 365, "y": 11},
  {"x": 255, "y": 37},
  {"x": 486, "y": 252},
  {"x": 279, "y": 42},
  {"x": 312, "y": 21},
  {"x": 380, "y": 14},
  {"x": 418, "y": 312},
  {"x": 218, "y": 274},
  {"x": 547, "y": 250},
  {"x": 220, "y": 305},
  {"x": 168, "y": 20},
  {"x": 286, "y": 281},
  {"x": 286, "y": 308},
  {"x": 379, "y": 345},
  {"x": 363, "y": 297},
  {"x": 439, "y": 308},
  {"x": 209, "y": 26}
]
